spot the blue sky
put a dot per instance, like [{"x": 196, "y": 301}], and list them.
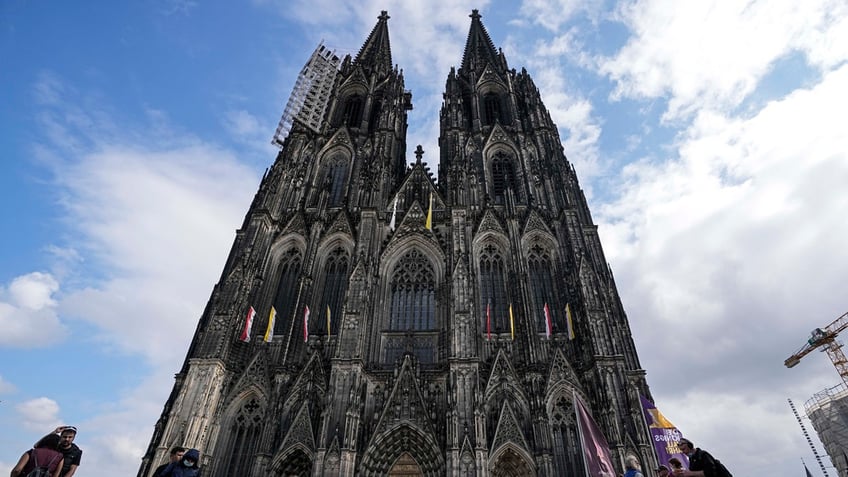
[{"x": 709, "y": 137}]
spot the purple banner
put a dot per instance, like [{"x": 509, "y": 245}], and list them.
[
  {"x": 595, "y": 447},
  {"x": 664, "y": 435}
]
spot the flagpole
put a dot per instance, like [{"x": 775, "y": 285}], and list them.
[
  {"x": 293, "y": 320},
  {"x": 580, "y": 432}
]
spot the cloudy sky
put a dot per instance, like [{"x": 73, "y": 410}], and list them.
[{"x": 709, "y": 136}]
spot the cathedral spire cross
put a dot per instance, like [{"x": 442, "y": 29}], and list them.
[{"x": 419, "y": 152}]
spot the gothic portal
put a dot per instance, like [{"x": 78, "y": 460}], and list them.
[{"x": 450, "y": 321}]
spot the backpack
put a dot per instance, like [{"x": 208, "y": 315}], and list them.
[
  {"x": 40, "y": 471},
  {"x": 721, "y": 470}
]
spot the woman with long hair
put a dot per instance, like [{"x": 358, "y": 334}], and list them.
[{"x": 44, "y": 454}]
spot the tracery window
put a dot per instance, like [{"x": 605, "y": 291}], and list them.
[
  {"x": 567, "y": 450},
  {"x": 493, "y": 287},
  {"x": 243, "y": 439},
  {"x": 413, "y": 289},
  {"x": 542, "y": 286},
  {"x": 335, "y": 286},
  {"x": 335, "y": 176},
  {"x": 503, "y": 177},
  {"x": 286, "y": 297},
  {"x": 412, "y": 310}
]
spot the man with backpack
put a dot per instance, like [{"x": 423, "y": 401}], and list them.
[{"x": 701, "y": 463}]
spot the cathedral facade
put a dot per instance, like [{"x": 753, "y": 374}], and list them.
[{"x": 424, "y": 325}]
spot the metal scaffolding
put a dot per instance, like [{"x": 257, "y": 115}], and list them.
[
  {"x": 311, "y": 93},
  {"x": 828, "y": 411}
]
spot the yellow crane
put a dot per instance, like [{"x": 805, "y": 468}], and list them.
[{"x": 825, "y": 338}]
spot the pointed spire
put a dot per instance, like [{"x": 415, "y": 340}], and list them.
[
  {"x": 376, "y": 54},
  {"x": 479, "y": 48}
]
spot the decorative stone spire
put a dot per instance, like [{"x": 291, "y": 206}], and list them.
[
  {"x": 479, "y": 48},
  {"x": 376, "y": 53}
]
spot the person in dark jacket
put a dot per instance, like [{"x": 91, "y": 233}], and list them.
[
  {"x": 701, "y": 463},
  {"x": 188, "y": 466},
  {"x": 177, "y": 453}
]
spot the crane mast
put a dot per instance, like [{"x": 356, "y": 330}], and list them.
[{"x": 825, "y": 338}]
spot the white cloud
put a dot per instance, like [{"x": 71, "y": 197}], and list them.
[
  {"x": 553, "y": 14},
  {"x": 6, "y": 387},
  {"x": 713, "y": 54},
  {"x": 39, "y": 413},
  {"x": 34, "y": 291},
  {"x": 28, "y": 314},
  {"x": 115, "y": 439},
  {"x": 727, "y": 255},
  {"x": 144, "y": 212},
  {"x": 152, "y": 219}
]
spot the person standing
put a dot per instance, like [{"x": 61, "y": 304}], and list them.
[
  {"x": 701, "y": 463},
  {"x": 176, "y": 456},
  {"x": 44, "y": 454},
  {"x": 72, "y": 453},
  {"x": 662, "y": 471},
  {"x": 632, "y": 467},
  {"x": 188, "y": 466}
]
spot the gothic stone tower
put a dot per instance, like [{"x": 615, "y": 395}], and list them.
[{"x": 436, "y": 357}]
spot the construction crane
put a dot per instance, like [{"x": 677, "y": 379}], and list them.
[{"x": 825, "y": 338}]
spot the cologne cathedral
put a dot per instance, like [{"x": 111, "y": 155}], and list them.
[{"x": 423, "y": 325}]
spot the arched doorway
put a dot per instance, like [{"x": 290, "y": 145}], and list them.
[
  {"x": 404, "y": 451},
  {"x": 296, "y": 464},
  {"x": 405, "y": 466},
  {"x": 510, "y": 463}
]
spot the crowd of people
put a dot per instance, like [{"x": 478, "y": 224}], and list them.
[
  {"x": 55, "y": 452},
  {"x": 182, "y": 463},
  {"x": 701, "y": 464},
  {"x": 56, "y": 455}
]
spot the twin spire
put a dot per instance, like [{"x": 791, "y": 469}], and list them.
[
  {"x": 376, "y": 52},
  {"x": 479, "y": 48}
]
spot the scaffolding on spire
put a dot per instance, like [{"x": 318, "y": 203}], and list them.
[{"x": 311, "y": 93}]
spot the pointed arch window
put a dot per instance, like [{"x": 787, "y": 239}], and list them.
[
  {"x": 413, "y": 290},
  {"x": 493, "y": 287},
  {"x": 568, "y": 453},
  {"x": 335, "y": 285},
  {"x": 503, "y": 177},
  {"x": 286, "y": 296},
  {"x": 242, "y": 440},
  {"x": 412, "y": 311},
  {"x": 492, "y": 109},
  {"x": 542, "y": 286},
  {"x": 335, "y": 177},
  {"x": 353, "y": 111}
]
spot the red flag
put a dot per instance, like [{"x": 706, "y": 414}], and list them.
[
  {"x": 548, "y": 325},
  {"x": 306, "y": 324},
  {"x": 248, "y": 323},
  {"x": 488, "y": 322},
  {"x": 596, "y": 451}
]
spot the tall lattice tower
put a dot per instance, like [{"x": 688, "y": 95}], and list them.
[
  {"x": 437, "y": 340},
  {"x": 828, "y": 411},
  {"x": 311, "y": 93}
]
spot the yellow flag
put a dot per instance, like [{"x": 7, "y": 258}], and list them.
[
  {"x": 428, "y": 224},
  {"x": 269, "y": 333},
  {"x": 511, "y": 323},
  {"x": 328, "y": 320},
  {"x": 570, "y": 321}
]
